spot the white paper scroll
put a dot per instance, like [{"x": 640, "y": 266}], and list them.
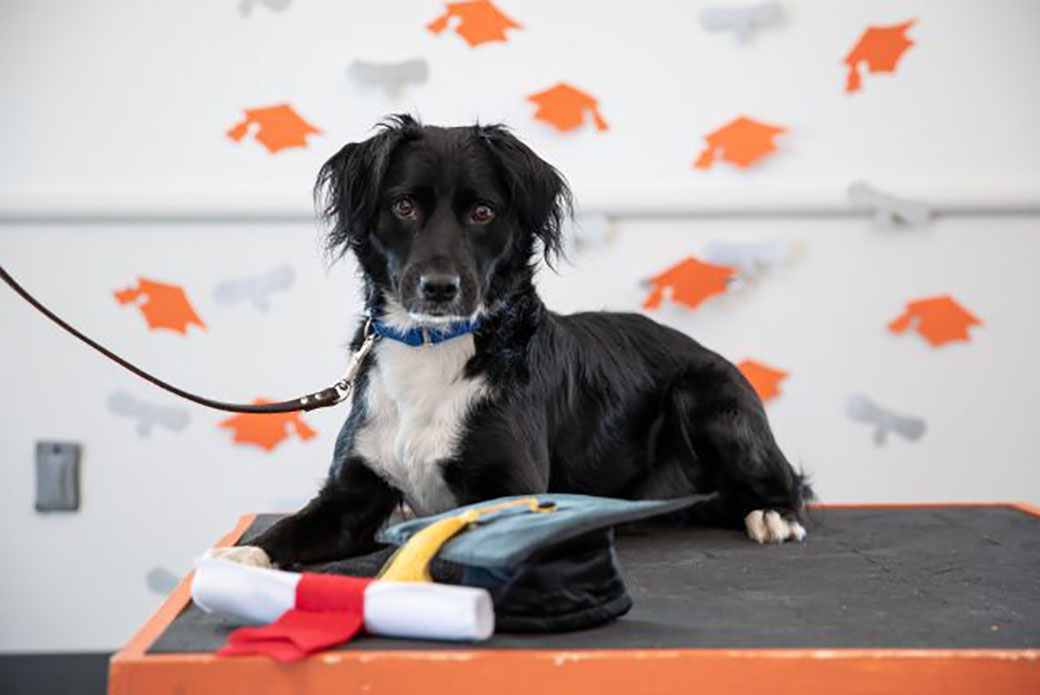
[
  {"x": 255, "y": 289},
  {"x": 862, "y": 409},
  {"x": 245, "y": 7},
  {"x": 585, "y": 232},
  {"x": 744, "y": 20},
  {"x": 749, "y": 258},
  {"x": 392, "y": 609},
  {"x": 889, "y": 209},
  {"x": 161, "y": 580},
  {"x": 392, "y": 78},
  {"x": 147, "y": 414}
]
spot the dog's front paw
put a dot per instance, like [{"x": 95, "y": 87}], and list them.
[
  {"x": 768, "y": 526},
  {"x": 242, "y": 554}
]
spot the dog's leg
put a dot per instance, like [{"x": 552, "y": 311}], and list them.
[
  {"x": 717, "y": 419},
  {"x": 341, "y": 521},
  {"x": 494, "y": 465}
]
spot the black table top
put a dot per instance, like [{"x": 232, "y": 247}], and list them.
[{"x": 918, "y": 577}]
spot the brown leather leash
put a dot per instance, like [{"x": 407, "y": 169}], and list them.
[{"x": 325, "y": 398}]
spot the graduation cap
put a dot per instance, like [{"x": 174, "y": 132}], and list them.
[
  {"x": 880, "y": 48},
  {"x": 267, "y": 430},
  {"x": 691, "y": 282},
  {"x": 742, "y": 142},
  {"x": 162, "y": 305},
  {"x": 277, "y": 127},
  {"x": 938, "y": 319},
  {"x": 763, "y": 378},
  {"x": 564, "y": 107},
  {"x": 547, "y": 560},
  {"x": 479, "y": 22}
]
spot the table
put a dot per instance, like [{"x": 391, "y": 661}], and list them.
[{"x": 880, "y": 598}]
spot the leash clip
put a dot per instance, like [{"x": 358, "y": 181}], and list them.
[
  {"x": 341, "y": 390},
  {"x": 345, "y": 386}
]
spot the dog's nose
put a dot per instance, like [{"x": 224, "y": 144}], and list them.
[{"x": 439, "y": 287}]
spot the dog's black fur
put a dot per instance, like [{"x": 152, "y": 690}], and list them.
[{"x": 596, "y": 403}]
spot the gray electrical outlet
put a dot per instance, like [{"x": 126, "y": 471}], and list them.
[{"x": 57, "y": 476}]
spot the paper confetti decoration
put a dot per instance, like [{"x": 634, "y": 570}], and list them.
[
  {"x": 564, "y": 107},
  {"x": 146, "y": 414},
  {"x": 161, "y": 580},
  {"x": 585, "y": 232},
  {"x": 889, "y": 209},
  {"x": 275, "y": 127},
  {"x": 478, "y": 22},
  {"x": 862, "y": 409},
  {"x": 255, "y": 289},
  {"x": 741, "y": 142},
  {"x": 748, "y": 258},
  {"x": 764, "y": 379},
  {"x": 939, "y": 320},
  {"x": 880, "y": 48},
  {"x": 743, "y": 20},
  {"x": 267, "y": 430},
  {"x": 392, "y": 78},
  {"x": 164, "y": 306},
  {"x": 245, "y": 7},
  {"x": 690, "y": 282}
]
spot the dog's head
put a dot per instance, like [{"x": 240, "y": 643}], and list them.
[{"x": 444, "y": 221}]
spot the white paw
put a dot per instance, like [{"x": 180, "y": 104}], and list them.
[
  {"x": 767, "y": 526},
  {"x": 242, "y": 554}
]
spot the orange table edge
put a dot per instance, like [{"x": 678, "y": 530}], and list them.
[{"x": 795, "y": 671}]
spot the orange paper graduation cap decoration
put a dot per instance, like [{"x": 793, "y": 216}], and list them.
[
  {"x": 564, "y": 107},
  {"x": 765, "y": 380},
  {"x": 277, "y": 127},
  {"x": 742, "y": 142},
  {"x": 691, "y": 282},
  {"x": 163, "y": 306},
  {"x": 938, "y": 319},
  {"x": 880, "y": 48},
  {"x": 267, "y": 430},
  {"x": 479, "y": 22}
]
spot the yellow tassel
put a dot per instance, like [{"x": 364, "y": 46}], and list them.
[{"x": 411, "y": 562}]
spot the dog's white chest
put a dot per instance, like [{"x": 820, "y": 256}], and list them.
[{"x": 416, "y": 402}]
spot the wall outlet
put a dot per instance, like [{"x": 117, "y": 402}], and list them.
[{"x": 57, "y": 476}]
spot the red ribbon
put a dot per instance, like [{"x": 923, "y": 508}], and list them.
[{"x": 329, "y": 610}]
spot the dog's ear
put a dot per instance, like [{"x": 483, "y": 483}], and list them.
[
  {"x": 347, "y": 190},
  {"x": 537, "y": 190}
]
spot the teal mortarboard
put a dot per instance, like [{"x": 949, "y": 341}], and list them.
[{"x": 548, "y": 560}]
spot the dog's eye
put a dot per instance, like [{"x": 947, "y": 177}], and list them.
[
  {"x": 404, "y": 208},
  {"x": 482, "y": 214}
]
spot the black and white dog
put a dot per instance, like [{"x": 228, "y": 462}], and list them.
[{"x": 475, "y": 390}]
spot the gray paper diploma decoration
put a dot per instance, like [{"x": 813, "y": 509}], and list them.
[
  {"x": 585, "y": 232},
  {"x": 748, "y": 258},
  {"x": 161, "y": 580},
  {"x": 862, "y": 409},
  {"x": 255, "y": 289},
  {"x": 742, "y": 20},
  {"x": 245, "y": 7},
  {"x": 889, "y": 209},
  {"x": 146, "y": 414},
  {"x": 392, "y": 78}
]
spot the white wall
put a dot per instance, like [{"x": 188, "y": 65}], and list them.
[
  {"x": 126, "y": 103},
  {"x": 121, "y": 96}
]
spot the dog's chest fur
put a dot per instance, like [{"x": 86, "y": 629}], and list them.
[{"x": 416, "y": 403}]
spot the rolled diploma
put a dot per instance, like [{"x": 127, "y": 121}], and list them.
[{"x": 392, "y": 609}]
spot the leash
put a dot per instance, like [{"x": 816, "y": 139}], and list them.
[{"x": 325, "y": 398}]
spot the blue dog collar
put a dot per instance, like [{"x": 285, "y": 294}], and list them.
[{"x": 426, "y": 335}]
